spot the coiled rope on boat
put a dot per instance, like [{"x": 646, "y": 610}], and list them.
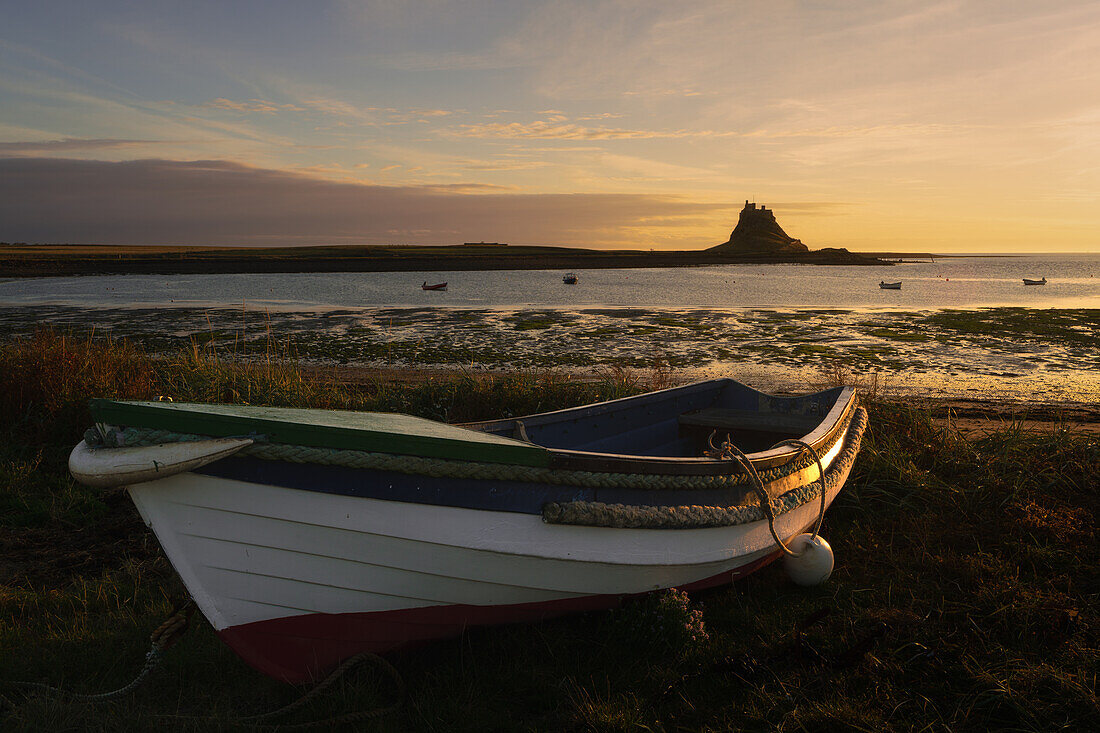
[
  {"x": 729, "y": 449},
  {"x": 599, "y": 514},
  {"x": 448, "y": 468}
]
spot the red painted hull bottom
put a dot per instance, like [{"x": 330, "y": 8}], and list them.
[{"x": 304, "y": 648}]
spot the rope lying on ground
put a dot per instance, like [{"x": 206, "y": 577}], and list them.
[
  {"x": 170, "y": 631},
  {"x": 164, "y": 636},
  {"x": 260, "y": 721},
  {"x": 399, "y": 683},
  {"x": 445, "y": 468},
  {"x": 599, "y": 514}
]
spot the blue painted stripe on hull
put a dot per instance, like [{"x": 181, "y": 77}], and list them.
[{"x": 502, "y": 496}]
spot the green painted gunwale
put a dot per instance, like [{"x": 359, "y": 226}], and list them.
[{"x": 382, "y": 432}]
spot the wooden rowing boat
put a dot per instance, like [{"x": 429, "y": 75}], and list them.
[{"x": 307, "y": 536}]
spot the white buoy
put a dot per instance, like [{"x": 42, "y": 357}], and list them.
[{"x": 814, "y": 562}]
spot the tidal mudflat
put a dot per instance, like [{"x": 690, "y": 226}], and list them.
[{"x": 1015, "y": 355}]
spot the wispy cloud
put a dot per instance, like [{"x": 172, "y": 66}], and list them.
[
  {"x": 506, "y": 165},
  {"x": 330, "y": 106},
  {"x": 664, "y": 93},
  {"x": 253, "y": 105},
  {"x": 340, "y": 108},
  {"x": 908, "y": 131},
  {"x": 166, "y": 119},
  {"x": 557, "y": 128},
  {"x": 71, "y": 144},
  {"x": 466, "y": 187},
  {"x": 818, "y": 208}
]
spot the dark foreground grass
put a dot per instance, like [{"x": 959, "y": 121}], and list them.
[{"x": 965, "y": 596}]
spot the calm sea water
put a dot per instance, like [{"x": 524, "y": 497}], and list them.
[
  {"x": 777, "y": 327},
  {"x": 1073, "y": 281}
]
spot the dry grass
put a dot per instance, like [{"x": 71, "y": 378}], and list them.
[{"x": 868, "y": 384}]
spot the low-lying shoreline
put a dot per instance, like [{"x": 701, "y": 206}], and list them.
[{"x": 58, "y": 260}]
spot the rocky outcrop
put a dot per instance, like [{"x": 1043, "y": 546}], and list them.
[
  {"x": 757, "y": 232},
  {"x": 759, "y": 238}
]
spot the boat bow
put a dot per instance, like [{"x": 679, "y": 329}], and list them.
[{"x": 105, "y": 468}]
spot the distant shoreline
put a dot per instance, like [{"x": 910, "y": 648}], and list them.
[
  {"x": 929, "y": 255},
  {"x": 65, "y": 260}
]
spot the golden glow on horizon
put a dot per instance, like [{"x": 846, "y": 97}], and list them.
[{"x": 945, "y": 127}]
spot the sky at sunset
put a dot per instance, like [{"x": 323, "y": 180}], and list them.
[{"x": 879, "y": 125}]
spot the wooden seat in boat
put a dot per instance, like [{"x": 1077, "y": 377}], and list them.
[{"x": 723, "y": 418}]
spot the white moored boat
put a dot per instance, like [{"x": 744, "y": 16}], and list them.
[{"x": 311, "y": 535}]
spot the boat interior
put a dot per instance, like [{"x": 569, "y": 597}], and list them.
[{"x": 678, "y": 422}]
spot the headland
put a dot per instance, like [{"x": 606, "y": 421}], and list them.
[{"x": 757, "y": 239}]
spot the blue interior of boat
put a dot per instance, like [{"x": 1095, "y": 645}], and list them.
[{"x": 673, "y": 422}]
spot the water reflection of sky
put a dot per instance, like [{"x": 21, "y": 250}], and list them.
[{"x": 1073, "y": 282}]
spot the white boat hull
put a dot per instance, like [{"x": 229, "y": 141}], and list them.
[
  {"x": 265, "y": 563},
  {"x": 332, "y": 533}
]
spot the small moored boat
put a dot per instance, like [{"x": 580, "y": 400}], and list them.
[
  {"x": 1035, "y": 282},
  {"x": 307, "y": 536},
  {"x": 569, "y": 278},
  {"x": 437, "y": 286},
  {"x": 890, "y": 286}
]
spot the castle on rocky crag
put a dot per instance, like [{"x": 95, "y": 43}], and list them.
[
  {"x": 757, "y": 231},
  {"x": 761, "y": 212}
]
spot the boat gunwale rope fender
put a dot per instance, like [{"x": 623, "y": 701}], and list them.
[
  {"x": 598, "y": 514},
  {"x": 109, "y": 437}
]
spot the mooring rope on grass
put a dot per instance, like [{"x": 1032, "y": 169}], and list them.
[
  {"x": 170, "y": 631},
  {"x": 259, "y": 721},
  {"x": 164, "y": 636},
  {"x": 448, "y": 468}
]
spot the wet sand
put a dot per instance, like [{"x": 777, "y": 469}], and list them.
[{"x": 1000, "y": 360}]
